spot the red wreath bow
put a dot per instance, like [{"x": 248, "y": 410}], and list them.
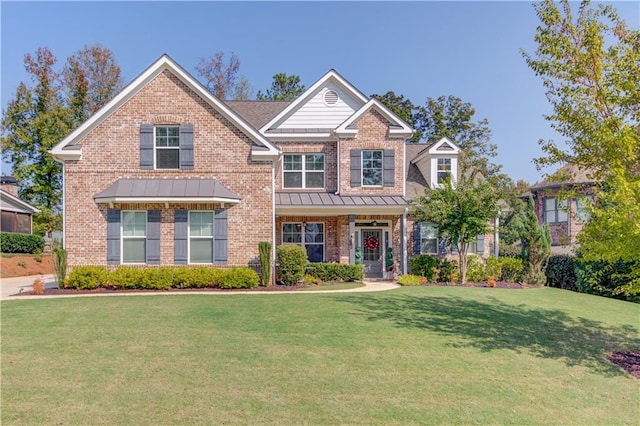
[{"x": 371, "y": 242}]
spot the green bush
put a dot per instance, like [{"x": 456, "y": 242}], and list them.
[
  {"x": 292, "y": 260},
  {"x": 327, "y": 272},
  {"x": 197, "y": 277},
  {"x": 311, "y": 280},
  {"x": 411, "y": 280},
  {"x": 494, "y": 268},
  {"x": 511, "y": 269},
  {"x": 448, "y": 271},
  {"x": 11, "y": 242},
  {"x": 239, "y": 278},
  {"x": 60, "y": 265},
  {"x": 513, "y": 250},
  {"x": 561, "y": 272},
  {"x": 476, "y": 269},
  {"x": 264, "y": 248},
  {"x": 126, "y": 277},
  {"x": 426, "y": 266},
  {"x": 610, "y": 279},
  {"x": 157, "y": 278},
  {"x": 87, "y": 277}
]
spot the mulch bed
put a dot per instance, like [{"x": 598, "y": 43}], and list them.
[{"x": 629, "y": 361}]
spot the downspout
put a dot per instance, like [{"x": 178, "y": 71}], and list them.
[
  {"x": 338, "y": 165},
  {"x": 273, "y": 220},
  {"x": 64, "y": 208},
  {"x": 403, "y": 233},
  {"x": 496, "y": 236}
]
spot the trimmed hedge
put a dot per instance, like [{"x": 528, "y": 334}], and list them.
[
  {"x": 161, "y": 278},
  {"x": 335, "y": 272},
  {"x": 292, "y": 260},
  {"x": 426, "y": 266},
  {"x": 11, "y": 242},
  {"x": 411, "y": 280},
  {"x": 561, "y": 272}
]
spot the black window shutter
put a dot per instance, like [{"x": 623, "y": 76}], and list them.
[
  {"x": 416, "y": 238},
  {"x": 180, "y": 237},
  {"x": 113, "y": 237},
  {"x": 356, "y": 167},
  {"x": 146, "y": 146},
  {"x": 220, "y": 247},
  {"x": 388, "y": 168},
  {"x": 153, "y": 237},
  {"x": 186, "y": 146}
]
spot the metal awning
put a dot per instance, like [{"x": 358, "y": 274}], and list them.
[{"x": 326, "y": 203}]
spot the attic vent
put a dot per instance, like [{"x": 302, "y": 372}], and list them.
[{"x": 330, "y": 97}]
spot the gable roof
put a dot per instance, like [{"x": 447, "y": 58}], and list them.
[
  {"x": 569, "y": 174},
  {"x": 12, "y": 203},
  {"x": 69, "y": 147},
  {"x": 397, "y": 128},
  {"x": 442, "y": 146},
  {"x": 258, "y": 113},
  {"x": 331, "y": 76}
]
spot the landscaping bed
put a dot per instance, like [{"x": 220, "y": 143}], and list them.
[{"x": 23, "y": 265}]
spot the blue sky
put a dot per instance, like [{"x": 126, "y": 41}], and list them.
[{"x": 418, "y": 49}]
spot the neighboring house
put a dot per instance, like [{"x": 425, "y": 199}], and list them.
[
  {"x": 167, "y": 174},
  {"x": 16, "y": 215},
  {"x": 565, "y": 214}
]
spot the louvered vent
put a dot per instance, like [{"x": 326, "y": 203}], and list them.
[{"x": 330, "y": 97}]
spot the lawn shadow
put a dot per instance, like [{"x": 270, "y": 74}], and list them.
[{"x": 493, "y": 324}]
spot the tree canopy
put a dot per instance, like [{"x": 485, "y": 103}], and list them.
[
  {"x": 283, "y": 88},
  {"x": 222, "y": 76}
]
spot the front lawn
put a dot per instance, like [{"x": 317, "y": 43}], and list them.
[{"x": 419, "y": 355}]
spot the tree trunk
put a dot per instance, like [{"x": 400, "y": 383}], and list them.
[{"x": 462, "y": 261}]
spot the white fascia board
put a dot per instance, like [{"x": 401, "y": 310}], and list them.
[
  {"x": 338, "y": 210},
  {"x": 330, "y": 75},
  {"x": 164, "y": 63},
  {"x": 18, "y": 201},
  {"x": 404, "y": 131},
  {"x": 105, "y": 200},
  {"x": 294, "y": 137},
  {"x": 435, "y": 148},
  {"x": 67, "y": 155}
]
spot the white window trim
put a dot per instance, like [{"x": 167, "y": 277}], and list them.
[
  {"x": 434, "y": 170},
  {"x": 213, "y": 234},
  {"x": 302, "y": 232},
  {"x": 122, "y": 237},
  {"x": 437, "y": 238},
  {"x": 155, "y": 147},
  {"x": 583, "y": 214},
  {"x": 381, "y": 168},
  {"x": 304, "y": 170},
  {"x": 556, "y": 210}
]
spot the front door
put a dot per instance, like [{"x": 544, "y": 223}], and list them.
[{"x": 372, "y": 253}]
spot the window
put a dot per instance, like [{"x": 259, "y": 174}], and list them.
[
  {"x": 134, "y": 236},
  {"x": 428, "y": 238},
  {"x": 583, "y": 206},
  {"x": 200, "y": 237},
  {"x": 303, "y": 171},
  {"x": 312, "y": 240},
  {"x": 371, "y": 168},
  {"x": 444, "y": 170},
  {"x": 167, "y": 144},
  {"x": 16, "y": 222},
  {"x": 477, "y": 246},
  {"x": 555, "y": 210}
]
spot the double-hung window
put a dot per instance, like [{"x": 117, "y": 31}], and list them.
[
  {"x": 555, "y": 210},
  {"x": 134, "y": 236},
  {"x": 167, "y": 147},
  {"x": 583, "y": 208},
  {"x": 428, "y": 238},
  {"x": 372, "y": 168},
  {"x": 303, "y": 171},
  {"x": 200, "y": 237},
  {"x": 308, "y": 235},
  {"x": 443, "y": 170}
]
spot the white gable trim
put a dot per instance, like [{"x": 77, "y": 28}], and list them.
[
  {"x": 332, "y": 75},
  {"x": 28, "y": 207},
  {"x": 403, "y": 131},
  {"x": 436, "y": 150},
  {"x": 162, "y": 64}
]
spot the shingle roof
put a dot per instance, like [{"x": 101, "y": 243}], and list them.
[
  {"x": 166, "y": 189},
  {"x": 257, "y": 113},
  {"x": 567, "y": 174},
  {"x": 307, "y": 199}
]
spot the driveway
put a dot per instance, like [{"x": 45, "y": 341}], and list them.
[{"x": 10, "y": 286}]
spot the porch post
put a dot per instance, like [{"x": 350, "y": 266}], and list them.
[
  {"x": 403, "y": 239},
  {"x": 352, "y": 230}
]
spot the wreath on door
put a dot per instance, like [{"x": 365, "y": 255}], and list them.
[{"x": 371, "y": 242}]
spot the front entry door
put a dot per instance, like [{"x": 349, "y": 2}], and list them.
[{"x": 372, "y": 253}]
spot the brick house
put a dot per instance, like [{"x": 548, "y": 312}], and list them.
[
  {"x": 167, "y": 174},
  {"x": 561, "y": 202}
]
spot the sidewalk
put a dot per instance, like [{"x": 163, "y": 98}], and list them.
[{"x": 12, "y": 286}]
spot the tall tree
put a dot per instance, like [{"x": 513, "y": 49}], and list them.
[
  {"x": 535, "y": 241},
  {"x": 589, "y": 63},
  {"x": 403, "y": 108},
  {"x": 91, "y": 78},
  {"x": 461, "y": 211},
  {"x": 221, "y": 75},
  {"x": 34, "y": 121},
  {"x": 242, "y": 90},
  {"x": 283, "y": 88}
]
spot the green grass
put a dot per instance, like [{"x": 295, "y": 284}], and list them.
[
  {"x": 419, "y": 355},
  {"x": 336, "y": 286}
]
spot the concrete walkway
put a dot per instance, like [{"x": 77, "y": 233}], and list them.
[{"x": 10, "y": 287}]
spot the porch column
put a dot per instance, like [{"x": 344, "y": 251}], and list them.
[
  {"x": 352, "y": 230},
  {"x": 403, "y": 243}
]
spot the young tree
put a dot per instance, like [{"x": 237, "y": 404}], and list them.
[
  {"x": 536, "y": 246},
  {"x": 221, "y": 76},
  {"x": 589, "y": 64},
  {"x": 283, "y": 88},
  {"x": 461, "y": 210}
]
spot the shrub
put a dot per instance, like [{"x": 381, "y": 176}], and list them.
[
  {"x": 311, "y": 280},
  {"x": 494, "y": 267},
  {"x": 156, "y": 278},
  {"x": 59, "y": 264},
  {"x": 561, "y": 272},
  {"x": 426, "y": 266},
  {"x": 448, "y": 271},
  {"x": 411, "y": 280},
  {"x": 476, "y": 270},
  {"x": 513, "y": 250},
  {"x": 87, "y": 277},
  {"x": 327, "y": 272},
  {"x": 511, "y": 269},
  {"x": 126, "y": 277},
  {"x": 38, "y": 285},
  {"x": 197, "y": 277},
  {"x": 239, "y": 278},
  {"x": 264, "y": 248},
  {"x": 292, "y": 260},
  {"x": 11, "y": 242},
  {"x": 610, "y": 279}
]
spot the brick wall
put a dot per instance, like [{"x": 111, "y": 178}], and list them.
[{"x": 111, "y": 152}]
